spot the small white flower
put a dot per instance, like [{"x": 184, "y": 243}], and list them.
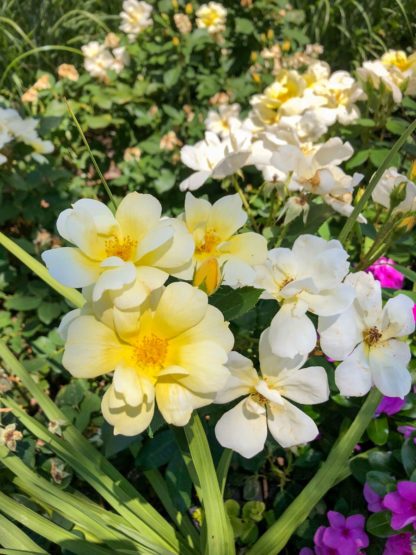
[
  {"x": 212, "y": 17},
  {"x": 367, "y": 338},
  {"x": 391, "y": 179},
  {"x": 306, "y": 278},
  {"x": 136, "y": 17},
  {"x": 215, "y": 158},
  {"x": 9, "y": 436},
  {"x": 266, "y": 404},
  {"x": 221, "y": 121}
]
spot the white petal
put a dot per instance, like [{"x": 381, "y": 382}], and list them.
[
  {"x": 195, "y": 181},
  {"x": 66, "y": 320},
  {"x": 179, "y": 250},
  {"x": 398, "y": 319},
  {"x": 330, "y": 301},
  {"x": 289, "y": 425},
  {"x": 176, "y": 403},
  {"x": 339, "y": 335},
  {"x": 154, "y": 244},
  {"x": 241, "y": 381},
  {"x": 114, "y": 279},
  {"x": 70, "y": 267},
  {"x": 353, "y": 376},
  {"x": 242, "y": 430},
  {"x": 291, "y": 335},
  {"x": 308, "y": 386},
  {"x": 271, "y": 364},
  {"x": 388, "y": 362},
  {"x": 236, "y": 273},
  {"x": 102, "y": 216}
]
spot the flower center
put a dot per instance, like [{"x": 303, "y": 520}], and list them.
[
  {"x": 123, "y": 249},
  {"x": 372, "y": 336},
  {"x": 150, "y": 352},
  {"x": 210, "y": 18},
  {"x": 259, "y": 398},
  {"x": 209, "y": 242}
]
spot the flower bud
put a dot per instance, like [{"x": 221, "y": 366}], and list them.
[{"x": 208, "y": 276}]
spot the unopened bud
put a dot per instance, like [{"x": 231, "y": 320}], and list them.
[{"x": 208, "y": 276}]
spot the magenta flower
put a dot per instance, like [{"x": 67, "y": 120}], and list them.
[
  {"x": 390, "y": 405},
  {"x": 398, "y": 545},
  {"x": 387, "y": 275},
  {"x": 402, "y": 504},
  {"x": 374, "y": 500}
]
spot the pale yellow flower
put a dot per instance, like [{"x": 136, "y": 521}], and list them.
[
  {"x": 174, "y": 354},
  {"x": 214, "y": 228}
]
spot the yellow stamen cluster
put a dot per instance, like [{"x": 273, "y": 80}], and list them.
[
  {"x": 150, "y": 352},
  {"x": 372, "y": 336},
  {"x": 210, "y": 242},
  {"x": 122, "y": 248},
  {"x": 259, "y": 398}
]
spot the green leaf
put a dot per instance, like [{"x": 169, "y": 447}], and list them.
[
  {"x": 233, "y": 303},
  {"x": 244, "y": 26},
  {"x": 165, "y": 182},
  {"x": 22, "y": 302},
  {"x": 397, "y": 126},
  {"x": 219, "y": 535},
  {"x": 408, "y": 455},
  {"x": 47, "y": 312},
  {"x": 98, "y": 122},
  {"x": 378, "y": 524},
  {"x": 410, "y": 274},
  {"x": 157, "y": 451},
  {"x": 378, "y": 430},
  {"x": 380, "y": 482},
  {"x": 14, "y": 539},
  {"x": 358, "y": 159},
  {"x": 171, "y": 77},
  {"x": 364, "y": 122}
]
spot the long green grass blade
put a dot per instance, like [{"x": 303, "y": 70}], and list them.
[
  {"x": 222, "y": 468},
  {"x": 274, "y": 540},
  {"x": 349, "y": 224},
  {"x": 13, "y": 538},
  {"x": 48, "y": 529},
  {"x": 18, "y": 30},
  {"x": 219, "y": 536},
  {"x": 72, "y": 295},
  {"x": 46, "y": 48}
]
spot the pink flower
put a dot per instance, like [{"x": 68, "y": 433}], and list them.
[
  {"x": 402, "y": 504},
  {"x": 398, "y": 545},
  {"x": 344, "y": 536},
  {"x": 387, "y": 275},
  {"x": 390, "y": 405},
  {"x": 374, "y": 500}
]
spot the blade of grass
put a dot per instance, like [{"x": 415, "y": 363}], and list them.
[
  {"x": 46, "y": 48},
  {"x": 96, "y": 166},
  {"x": 47, "y": 529},
  {"x": 219, "y": 535},
  {"x": 72, "y": 295},
  {"x": 12, "y": 537},
  {"x": 349, "y": 224},
  {"x": 222, "y": 468},
  {"x": 274, "y": 540},
  {"x": 84, "y": 13}
]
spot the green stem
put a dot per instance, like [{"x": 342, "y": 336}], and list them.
[
  {"x": 277, "y": 536},
  {"x": 245, "y": 202},
  {"x": 96, "y": 166},
  {"x": 349, "y": 224},
  {"x": 219, "y": 535}
]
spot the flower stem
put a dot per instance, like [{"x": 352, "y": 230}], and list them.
[
  {"x": 277, "y": 536},
  {"x": 245, "y": 202}
]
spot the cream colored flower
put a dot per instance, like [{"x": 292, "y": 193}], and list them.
[
  {"x": 267, "y": 401},
  {"x": 98, "y": 59},
  {"x": 223, "y": 120},
  {"x": 68, "y": 71},
  {"x": 174, "y": 354},
  {"x": 170, "y": 141},
  {"x": 135, "y": 17},
  {"x": 214, "y": 229},
  {"x": 389, "y": 181},
  {"x": 111, "y": 40},
  {"x": 128, "y": 254},
  {"x": 132, "y": 153},
  {"x": 212, "y": 17},
  {"x": 31, "y": 95},
  {"x": 183, "y": 23}
]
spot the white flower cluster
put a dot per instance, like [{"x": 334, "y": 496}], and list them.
[
  {"x": 99, "y": 58},
  {"x": 15, "y": 128},
  {"x": 395, "y": 71},
  {"x": 212, "y": 17},
  {"x": 135, "y": 18},
  {"x": 167, "y": 346}
]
